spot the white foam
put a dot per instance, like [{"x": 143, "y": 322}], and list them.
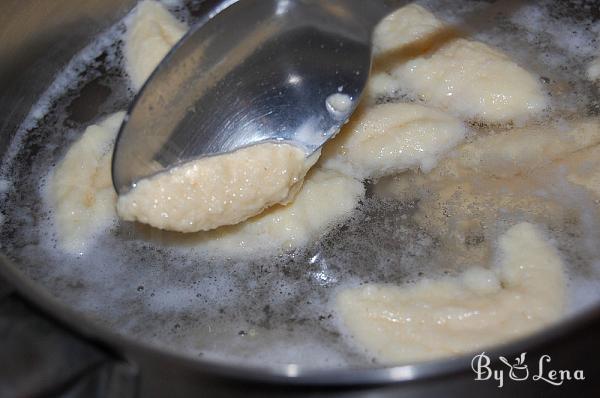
[{"x": 569, "y": 37}]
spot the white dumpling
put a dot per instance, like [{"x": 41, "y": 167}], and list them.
[
  {"x": 389, "y": 138},
  {"x": 474, "y": 81},
  {"x": 326, "y": 198},
  {"x": 80, "y": 189},
  {"x": 213, "y": 191},
  {"x": 521, "y": 150},
  {"x": 465, "y": 77},
  {"x": 151, "y": 33},
  {"x": 405, "y": 26},
  {"x": 453, "y": 315}
]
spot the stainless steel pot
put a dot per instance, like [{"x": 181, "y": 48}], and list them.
[{"x": 37, "y": 38}]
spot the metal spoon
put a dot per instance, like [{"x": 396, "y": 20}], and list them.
[
  {"x": 261, "y": 70},
  {"x": 252, "y": 71}
]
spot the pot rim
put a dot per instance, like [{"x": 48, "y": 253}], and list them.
[{"x": 135, "y": 352}]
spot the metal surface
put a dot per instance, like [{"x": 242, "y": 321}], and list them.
[
  {"x": 28, "y": 68},
  {"x": 260, "y": 70}
]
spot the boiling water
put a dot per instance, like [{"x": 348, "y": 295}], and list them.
[{"x": 271, "y": 310}]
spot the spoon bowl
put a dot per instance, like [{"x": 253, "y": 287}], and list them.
[{"x": 258, "y": 70}]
